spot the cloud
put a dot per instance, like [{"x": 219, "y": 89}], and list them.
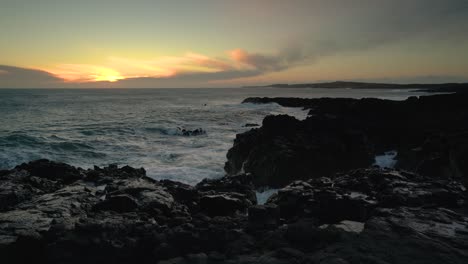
[
  {"x": 286, "y": 58},
  {"x": 16, "y": 77},
  {"x": 359, "y": 26},
  {"x": 343, "y": 27},
  {"x": 188, "y": 70},
  {"x": 258, "y": 61},
  {"x": 311, "y": 30},
  {"x": 117, "y": 68},
  {"x": 86, "y": 73},
  {"x": 182, "y": 80}
]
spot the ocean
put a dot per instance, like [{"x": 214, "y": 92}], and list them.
[{"x": 141, "y": 127}]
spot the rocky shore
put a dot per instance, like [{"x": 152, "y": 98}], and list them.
[
  {"x": 333, "y": 206},
  {"x": 429, "y": 135}
]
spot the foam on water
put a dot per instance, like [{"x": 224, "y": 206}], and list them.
[
  {"x": 387, "y": 160},
  {"x": 139, "y": 127},
  {"x": 262, "y": 196}
]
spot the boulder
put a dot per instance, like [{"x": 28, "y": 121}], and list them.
[
  {"x": 222, "y": 204},
  {"x": 264, "y": 216},
  {"x": 240, "y": 184}
]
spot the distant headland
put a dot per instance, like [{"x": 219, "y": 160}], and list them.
[{"x": 439, "y": 87}]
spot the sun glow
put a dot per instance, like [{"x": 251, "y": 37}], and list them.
[
  {"x": 114, "y": 69},
  {"x": 117, "y": 68},
  {"x": 107, "y": 75},
  {"x": 86, "y": 73}
]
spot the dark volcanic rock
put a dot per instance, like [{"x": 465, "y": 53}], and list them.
[
  {"x": 241, "y": 184},
  {"x": 285, "y": 149},
  {"x": 114, "y": 214},
  {"x": 264, "y": 216},
  {"x": 226, "y": 195},
  {"x": 403, "y": 235},
  {"x": 221, "y": 204},
  {"x": 118, "y": 203},
  {"x": 119, "y": 215},
  {"x": 52, "y": 170},
  {"x": 355, "y": 195},
  {"x": 429, "y": 133}
]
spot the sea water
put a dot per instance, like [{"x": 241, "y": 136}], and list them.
[{"x": 140, "y": 127}]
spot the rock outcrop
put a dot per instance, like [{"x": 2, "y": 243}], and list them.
[
  {"x": 55, "y": 213},
  {"x": 63, "y": 214},
  {"x": 332, "y": 207},
  {"x": 429, "y": 133}
]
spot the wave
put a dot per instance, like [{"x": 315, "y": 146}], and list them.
[
  {"x": 53, "y": 142},
  {"x": 20, "y": 140},
  {"x": 17, "y": 148},
  {"x": 103, "y": 131},
  {"x": 263, "y": 196},
  {"x": 139, "y": 127},
  {"x": 163, "y": 131},
  {"x": 179, "y": 131},
  {"x": 68, "y": 146}
]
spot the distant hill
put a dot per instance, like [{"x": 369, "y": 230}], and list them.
[{"x": 441, "y": 87}]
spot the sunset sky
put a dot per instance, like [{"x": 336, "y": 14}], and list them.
[{"x": 215, "y": 43}]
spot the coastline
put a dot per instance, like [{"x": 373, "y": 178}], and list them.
[
  {"x": 332, "y": 205},
  {"x": 425, "y": 87}
]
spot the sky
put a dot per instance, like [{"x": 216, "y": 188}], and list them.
[{"x": 224, "y": 43}]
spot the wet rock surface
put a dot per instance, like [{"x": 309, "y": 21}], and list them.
[
  {"x": 118, "y": 215},
  {"x": 429, "y": 133}
]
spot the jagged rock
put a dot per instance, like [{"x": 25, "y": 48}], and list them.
[
  {"x": 305, "y": 234},
  {"x": 354, "y": 196},
  {"x": 404, "y": 235},
  {"x": 12, "y": 193},
  {"x": 241, "y": 184},
  {"x": 283, "y": 150},
  {"x": 184, "y": 193},
  {"x": 118, "y": 203},
  {"x": 264, "y": 216},
  {"x": 52, "y": 170},
  {"x": 121, "y": 216},
  {"x": 429, "y": 133},
  {"x": 222, "y": 204}
]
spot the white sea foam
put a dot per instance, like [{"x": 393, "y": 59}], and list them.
[
  {"x": 139, "y": 127},
  {"x": 387, "y": 160},
  {"x": 262, "y": 196}
]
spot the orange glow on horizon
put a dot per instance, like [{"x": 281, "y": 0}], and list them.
[
  {"x": 108, "y": 75},
  {"x": 85, "y": 73},
  {"x": 117, "y": 68}
]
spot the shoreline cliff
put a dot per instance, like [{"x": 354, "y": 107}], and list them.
[{"x": 332, "y": 205}]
